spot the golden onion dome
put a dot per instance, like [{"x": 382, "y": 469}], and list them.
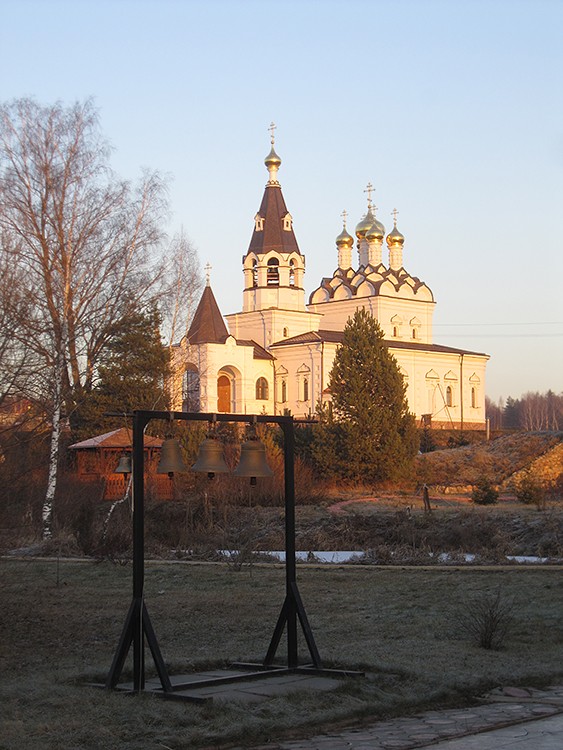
[
  {"x": 272, "y": 158},
  {"x": 395, "y": 237},
  {"x": 364, "y": 225},
  {"x": 376, "y": 231},
  {"x": 344, "y": 239}
]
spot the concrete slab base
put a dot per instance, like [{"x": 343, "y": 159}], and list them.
[{"x": 243, "y": 686}]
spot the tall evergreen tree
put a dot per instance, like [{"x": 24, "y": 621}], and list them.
[
  {"x": 370, "y": 436},
  {"x": 132, "y": 375}
]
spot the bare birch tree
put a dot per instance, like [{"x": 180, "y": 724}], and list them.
[
  {"x": 86, "y": 245},
  {"x": 16, "y": 365},
  {"x": 184, "y": 284}
]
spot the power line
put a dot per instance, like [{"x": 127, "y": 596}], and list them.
[
  {"x": 508, "y": 335},
  {"x": 459, "y": 325}
]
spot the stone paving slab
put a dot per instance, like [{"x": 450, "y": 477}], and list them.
[
  {"x": 515, "y": 709},
  {"x": 542, "y": 734}
]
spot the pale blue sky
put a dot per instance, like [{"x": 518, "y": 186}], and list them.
[{"x": 453, "y": 110}]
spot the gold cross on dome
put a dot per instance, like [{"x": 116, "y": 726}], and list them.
[
  {"x": 369, "y": 189},
  {"x": 344, "y": 215},
  {"x": 394, "y": 212},
  {"x": 272, "y": 127},
  {"x": 208, "y": 268}
]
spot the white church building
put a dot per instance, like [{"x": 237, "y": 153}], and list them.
[{"x": 276, "y": 355}]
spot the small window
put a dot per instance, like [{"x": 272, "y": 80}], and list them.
[
  {"x": 414, "y": 333},
  {"x": 285, "y": 332},
  {"x": 473, "y": 398},
  {"x": 449, "y": 396},
  {"x": 395, "y": 331},
  {"x": 262, "y": 389},
  {"x": 254, "y": 274},
  {"x": 305, "y": 389},
  {"x": 283, "y": 391},
  {"x": 273, "y": 274}
]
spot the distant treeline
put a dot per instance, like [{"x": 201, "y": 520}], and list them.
[{"x": 532, "y": 411}]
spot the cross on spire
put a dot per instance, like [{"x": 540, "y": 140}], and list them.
[
  {"x": 344, "y": 215},
  {"x": 272, "y": 127},
  {"x": 208, "y": 268},
  {"x": 394, "y": 212},
  {"x": 369, "y": 189}
]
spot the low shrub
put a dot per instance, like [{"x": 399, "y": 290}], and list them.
[
  {"x": 484, "y": 493},
  {"x": 530, "y": 492},
  {"x": 487, "y": 620}
]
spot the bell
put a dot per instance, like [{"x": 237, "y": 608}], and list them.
[
  {"x": 253, "y": 461},
  {"x": 124, "y": 465},
  {"x": 210, "y": 458},
  {"x": 171, "y": 459}
]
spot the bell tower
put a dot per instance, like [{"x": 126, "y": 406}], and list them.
[
  {"x": 273, "y": 266},
  {"x": 273, "y": 296}
]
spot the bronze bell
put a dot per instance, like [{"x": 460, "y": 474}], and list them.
[
  {"x": 171, "y": 459},
  {"x": 253, "y": 461},
  {"x": 210, "y": 458},
  {"x": 124, "y": 465}
]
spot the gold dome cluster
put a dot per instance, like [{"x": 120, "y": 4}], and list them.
[{"x": 371, "y": 229}]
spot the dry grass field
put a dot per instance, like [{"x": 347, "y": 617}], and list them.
[{"x": 404, "y": 626}]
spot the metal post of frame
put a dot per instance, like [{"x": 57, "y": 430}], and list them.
[
  {"x": 292, "y": 607},
  {"x": 137, "y": 623}
]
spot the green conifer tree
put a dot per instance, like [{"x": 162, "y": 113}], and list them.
[
  {"x": 370, "y": 435},
  {"x": 133, "y": 373}
]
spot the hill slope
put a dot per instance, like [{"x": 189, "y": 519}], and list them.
[{"x": 497, "y": 459}]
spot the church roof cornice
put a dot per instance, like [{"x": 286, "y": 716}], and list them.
[{"x": 336, "y": 337}]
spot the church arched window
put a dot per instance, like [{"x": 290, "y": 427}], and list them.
[
  {"x": 305, "y": 389},
  {"x": 190, "y": 389},
  {"x": 473, "y": 398},
  {"x": 284, "y": 391},
  {"x": 262, "y": 389},
  {"x": 449, "y": 396},
  {"x": 291, "y": 273},
  {"x": 273, "y": 273},
  {"x": 254, "y": 273}
]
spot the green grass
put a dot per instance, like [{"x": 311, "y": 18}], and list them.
[{"x": 401, "y": 625}]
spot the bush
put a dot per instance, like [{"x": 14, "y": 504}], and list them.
[
  {"x": 484, "y": 493},
  {"x": 530, "y": 492},
  {"x": 487, "y": 620}
]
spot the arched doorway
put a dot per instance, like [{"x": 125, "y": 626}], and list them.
[{"x": 224, "y": 394}]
